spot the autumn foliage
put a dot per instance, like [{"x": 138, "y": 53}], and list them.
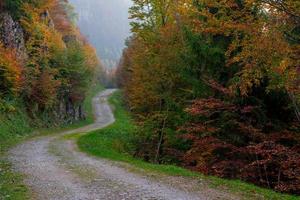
[
  {"x": 59, "y": 63},
  {"x": 215, "y": 87},
  {"x": 250, "y": 151},
  {"x": 10, "y": 73}
]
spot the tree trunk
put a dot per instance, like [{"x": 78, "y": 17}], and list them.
[
  {"x": 160, "y": 142},
  {"x": 295, "y": 105}
]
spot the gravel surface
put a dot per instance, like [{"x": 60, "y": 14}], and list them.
[{"x": 55, "y": 169}]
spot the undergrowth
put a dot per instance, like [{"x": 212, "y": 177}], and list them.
[{"x": 113, "y": 142}]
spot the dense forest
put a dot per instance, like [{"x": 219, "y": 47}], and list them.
[
  {"x": 215, "y": 87},
  {"x": 212, "y": 86},
  {"x": 47, "y": 68},
  {"x": 46, "y": 65}
]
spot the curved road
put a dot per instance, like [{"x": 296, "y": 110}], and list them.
[{"x": 54, "y": 169}]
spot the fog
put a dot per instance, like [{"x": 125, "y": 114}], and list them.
[{"x": 105, "y": 23}]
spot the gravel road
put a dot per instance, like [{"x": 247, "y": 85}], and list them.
[{"x": 55, "y": 169}]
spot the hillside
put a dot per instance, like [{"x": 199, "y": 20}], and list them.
[
  {"x": 208, "y": 105},
  {"x": 46, "y": 67},
  {"x": 106, "y": 25}
]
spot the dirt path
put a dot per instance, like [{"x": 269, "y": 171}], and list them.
[{"x": 55, "y": 169}]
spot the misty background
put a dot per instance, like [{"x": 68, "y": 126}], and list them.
[{"x": 105, "y": 23}]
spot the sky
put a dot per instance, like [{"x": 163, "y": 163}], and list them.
[{"x": 105, "y": 23}]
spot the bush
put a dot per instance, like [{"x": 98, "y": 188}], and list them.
[{"x": 13, "y": 126}]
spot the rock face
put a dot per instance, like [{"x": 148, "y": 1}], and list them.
[
  {"x": 70, "y": 38},
  {"x": 46, "y": 17},
  {"x": 68, "y": 112},
  {"x": 12, "y": 35}
]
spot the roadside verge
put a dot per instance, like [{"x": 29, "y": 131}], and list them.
[{"x": 113, "y": 143}]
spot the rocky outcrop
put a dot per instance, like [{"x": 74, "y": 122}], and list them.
[
  {"x": 68, "y": 112},
  {"x": 70, "y": 38},
  {"x": 47, "y": 18},
  {"x": 11, "y": 35}
]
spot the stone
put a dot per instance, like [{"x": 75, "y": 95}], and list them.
[{"x": 12, "y": 36}]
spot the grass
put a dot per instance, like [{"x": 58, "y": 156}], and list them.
[
  {"x": 87, "y": 107},
  {"x": 109, "y": 142},
  {"x": 12, "y": 129},
  {"x": 112, "y": 141},
  {"x": 15, "y": 128}
]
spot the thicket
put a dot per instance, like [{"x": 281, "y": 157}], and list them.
[{"x": 215, "y": 86}]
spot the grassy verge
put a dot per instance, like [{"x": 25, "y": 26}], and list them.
[
  {"x": 111, "y": 141},
  {"x": 12, "y": 129},
  {"x": 15, "y": 128}
]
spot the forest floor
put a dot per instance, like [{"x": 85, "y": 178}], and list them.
[{"x": 54, "y": 168}]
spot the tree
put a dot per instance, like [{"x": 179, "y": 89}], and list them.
[
  {"x": 233, "y": 64},
  {"x": 10, "y": 74}
]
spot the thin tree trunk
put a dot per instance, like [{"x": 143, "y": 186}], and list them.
[
  {"x": 161, "y": 137},
  {"x": 295, "y": 105},
  {"x": 279, "y": 176},
  {"x": 258, "y": 166},
  {"x": 266, "y": 174},
  {"x": 161, "y": 134}
]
